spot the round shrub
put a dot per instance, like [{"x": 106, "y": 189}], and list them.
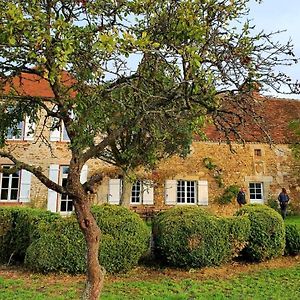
[
  {"x": 124, "y": 239},
  {"x": 239, "y": 232},
  {"x": 292, "y": 238},
  {"x": 61, "y": 247},
  {"x": 190, "y": 237},
  {"x": 18, "y": 227},
  {"x": 267, "y": 232}
]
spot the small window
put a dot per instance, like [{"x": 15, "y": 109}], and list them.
[
  {"x": 66, "y": 204},
  {"x": 10, "y": 184},
  {"x": 17, "y": 133},
  {"x": 186, "y": 192},
  {"x": 136, "y": 195},
  {"x": 256, "y": 192},
  {"x": 257, "y": 152}
]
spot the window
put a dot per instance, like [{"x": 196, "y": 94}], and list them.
[
  {"x": 16, "y": 134},
  {"x": 257, "y": 153},
  {"x": 10, "y": 184},
  {"x": 59, "y": 134},
  {"x": 256, "y": 192},
  {"x": 66, "y": 204},
  {"x": 136, "y": 196},
  {"x": 186, "y": 191}
]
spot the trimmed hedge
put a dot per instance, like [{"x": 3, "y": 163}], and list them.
[
  {"x": 292, "y": 239},
  {"x": 18, "y": 227},
  {"x": 191, "y": 237},
  {"x": 267, "y": 233},
  {"x": 125, "y": 238}
]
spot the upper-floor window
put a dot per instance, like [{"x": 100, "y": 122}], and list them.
[
  {"x": 23, "y": 131},
  {"x": 59, "y": 134},
  {"x": 257, "y": 153}
]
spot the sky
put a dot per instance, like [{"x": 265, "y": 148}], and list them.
[{"x": 273, "y": 15}]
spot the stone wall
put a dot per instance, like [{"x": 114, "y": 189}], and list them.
[{"x": 272, "y": 165}]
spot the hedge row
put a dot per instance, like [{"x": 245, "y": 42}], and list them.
[
  {"x": 191, "y": 237},
  {"x": 47, "y": 242}
]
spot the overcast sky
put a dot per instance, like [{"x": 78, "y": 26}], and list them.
[{"x": 273, "y": 15}]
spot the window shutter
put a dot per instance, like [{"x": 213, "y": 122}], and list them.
[
  {"x": 29, "y": 130},
  {"x": 55, "y": 133},
  {"x": 170, "y": 192},
  {"x": 202, "y": 192},
  {"x": 83, "y": 174},
  {"x": 114, "y": 191},
  {"x": 148, "y": 192},
  {"x": 52, "y": 195},
  {"x": 25, "y": 186}
]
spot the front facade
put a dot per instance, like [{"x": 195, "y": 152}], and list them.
[{"x": 199, "y": 179}]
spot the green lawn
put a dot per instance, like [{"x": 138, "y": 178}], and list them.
[
  {"x": 280, "y": 283},
  {"x": 293, "y": 220}
]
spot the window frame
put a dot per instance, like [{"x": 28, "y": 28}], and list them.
[
  {"x": 9, "y": 188},
  {"x": 184, "y": 189},
  {"x": 137, "y": 192},
  {"x": 255, "y": 199},
  {"x": 21, "y": 129},
  {"x": 67, "y": 200}
]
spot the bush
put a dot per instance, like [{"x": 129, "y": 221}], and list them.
[
  {"x": 239, "y": 232},
  {"x": 190, "y": 237},
  {"x": 267, "y": 232},
  {"x": 125, "y": 238},
  {"x": 61, "y": 247},
  {"x": 18, "y": 227},
  {"x": 292, "y": 238},
  {"x": 229, "y": 194}
]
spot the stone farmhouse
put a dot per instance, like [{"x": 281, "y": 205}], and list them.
[{"x": 199, "y": 179}]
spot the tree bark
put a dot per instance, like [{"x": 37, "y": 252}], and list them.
[
  {"x": 126, "y": 191},
  {"x": 92, "y": 234}
]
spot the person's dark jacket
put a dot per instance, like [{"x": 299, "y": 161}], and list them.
[
  {"x": 283, "y": 198},
  {"x": 241, "y": 197}
]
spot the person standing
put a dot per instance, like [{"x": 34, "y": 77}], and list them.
[
  {"x": 283, "y": 199},
  {"x": 241, "y": 197}
]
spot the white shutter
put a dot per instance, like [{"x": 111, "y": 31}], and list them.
[
  {"x": 83, "y": 174},
  {"x": 25, "y": 186},
  {"x": 55, "y": 133},
  {"x": 52, "y": 195},
  {"x": 114, "y": 191},
  {"x": 202, "y": 192},
  {"x": 29, "y": 130},
  {"x": 148, "y": 192},
  {"x": 170, "y": 192}
]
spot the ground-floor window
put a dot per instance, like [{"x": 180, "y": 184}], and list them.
[
  {"x": 256, "y": 192},
  {"x": 136, "y": 192},
  {"x": 10, "y": 184},
  {"x": 186, "y": 191},
  {"x": 66, "y": 204}
]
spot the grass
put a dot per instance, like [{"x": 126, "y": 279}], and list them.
[
  {"x": 270, "y": 283},
  {"x": 295, "y": 220}
]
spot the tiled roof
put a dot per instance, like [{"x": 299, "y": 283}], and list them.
[
  {"x": 33, "y": 85},
  {"x": 276, "y": 113}
]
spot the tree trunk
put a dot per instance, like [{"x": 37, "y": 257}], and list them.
[
  {"x": 92, "y": 234},
  {"x": 126, "y": 191}
]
